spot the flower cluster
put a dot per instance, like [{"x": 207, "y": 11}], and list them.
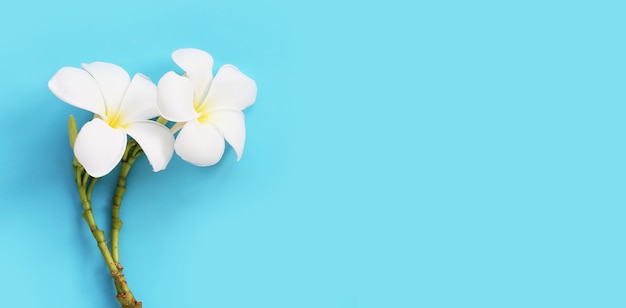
[{"x": 206, "y": 109}]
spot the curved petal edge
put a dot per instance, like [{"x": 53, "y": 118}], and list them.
[
  {"x": 156, "y": 141},
  {"x": 99, "y": 148}
]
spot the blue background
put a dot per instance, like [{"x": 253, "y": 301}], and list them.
[{"x": 399, "y": 154}]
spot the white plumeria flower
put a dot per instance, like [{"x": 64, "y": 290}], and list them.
[
  {"x": 208, "y": 109},
  {"x": 121, "y": 106}
]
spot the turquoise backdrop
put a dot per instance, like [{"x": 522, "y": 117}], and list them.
[{"x": 399, "y": 154}]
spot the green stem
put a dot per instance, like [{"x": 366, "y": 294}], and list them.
[
  {"x": 98, "y": 234},
  {"x": 133, "y": 151},
  {"x": 92, "y": 183},
  {"x": 85, "y": 185}
]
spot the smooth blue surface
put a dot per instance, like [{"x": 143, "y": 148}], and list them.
[{"x": 399, "y": 154}]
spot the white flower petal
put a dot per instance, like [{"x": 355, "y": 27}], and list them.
[
  {"x": 175, "y": 98},
  {"x": 77, "y": 88},
  {"x": 113, "y": 82},
  {"x": 231, "y": 124},
  {"x": 199, "y": 144},
  {"x": 198, "y": 65},
  {"x": 156, "y": 141},
  {"x": 231, "y": 89},
  {"x": 140, "y": 101},
  {"x": 99, "y": 148}
]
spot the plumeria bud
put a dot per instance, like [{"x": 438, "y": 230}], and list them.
[{"x": 72, "y": 130}]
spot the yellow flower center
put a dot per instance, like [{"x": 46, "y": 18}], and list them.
[
  {"x": 115, "y": 121},
  {"x": 205, "y": 115}
]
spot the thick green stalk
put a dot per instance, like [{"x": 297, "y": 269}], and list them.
[{"x": 85, "y": 186}]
